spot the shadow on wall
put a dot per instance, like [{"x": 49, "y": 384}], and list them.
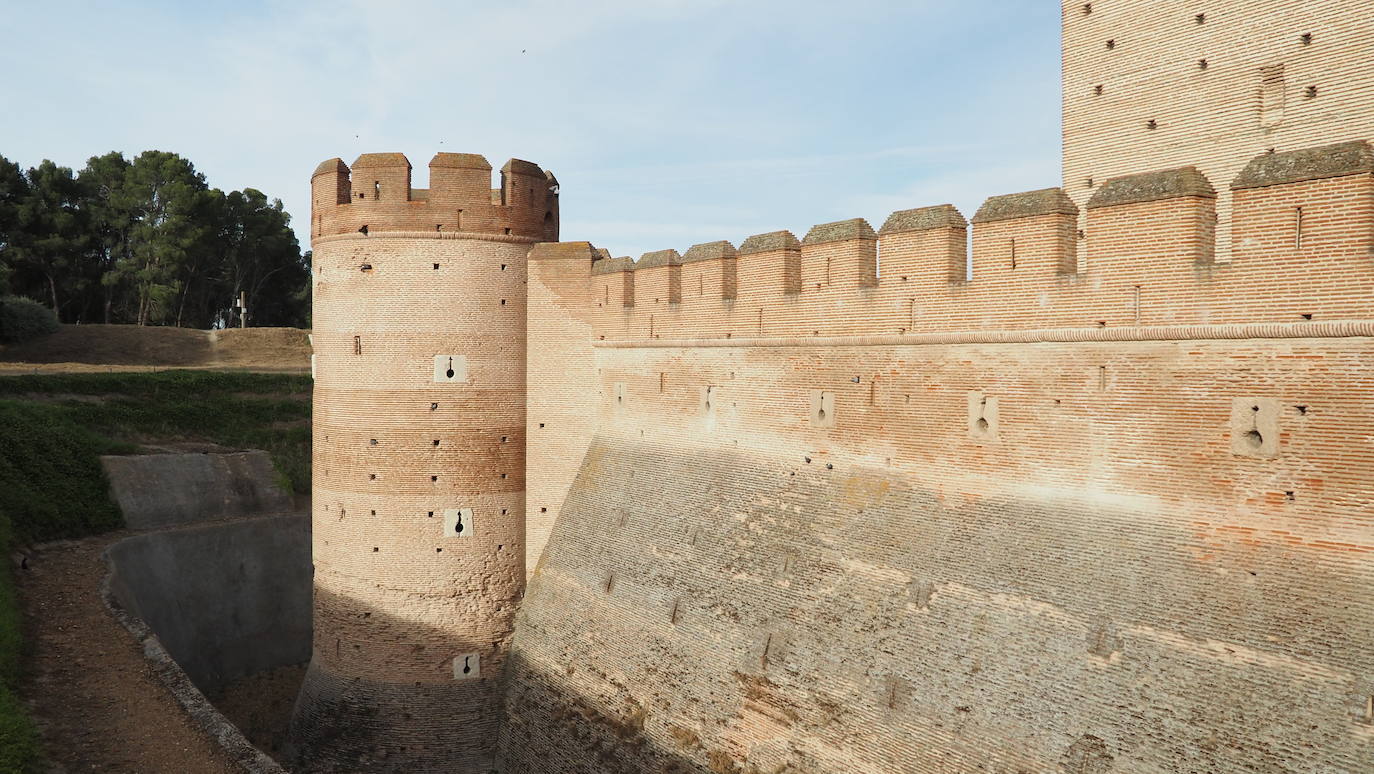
[
  {"x": 226, "y": 599},
  {"x": 755, "y": 613},
  {"x": 339, "y": 728},
  {"x": 551, "y": 729},
  {"x": 348, "y": 722}
]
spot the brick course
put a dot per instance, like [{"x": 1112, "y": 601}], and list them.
[{"x": 1080, "y": 484}]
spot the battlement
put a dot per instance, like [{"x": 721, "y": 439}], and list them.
[
  {"x": 376, "y": 194},
  {"x": 1145, "y": 255}
]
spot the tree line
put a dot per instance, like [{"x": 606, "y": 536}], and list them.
[{"x": 148, "y": 242}]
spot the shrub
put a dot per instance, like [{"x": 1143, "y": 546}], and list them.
[
  {"x": 18, "y": 740},
  {"x": 22, "y": 319}
]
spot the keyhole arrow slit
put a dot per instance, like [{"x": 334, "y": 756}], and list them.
[
  {"x": 467, "y": 667},
  {"x": 450, "y": 368}
]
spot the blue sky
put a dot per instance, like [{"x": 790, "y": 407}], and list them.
[{"x": 667, "y": 122}]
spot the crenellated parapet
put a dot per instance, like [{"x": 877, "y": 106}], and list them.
[
  {"x": 376, "y": 194},
  {"x": 1141, "y": 252}
]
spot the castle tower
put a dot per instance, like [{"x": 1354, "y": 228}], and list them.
[
  {"x": 419, "y": 457},
  {"x": 1157, "y": 84}
]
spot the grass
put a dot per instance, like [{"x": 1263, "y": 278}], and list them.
[
  {"x": 19, "y": 751},
  {"x": 53, "y": 430}
]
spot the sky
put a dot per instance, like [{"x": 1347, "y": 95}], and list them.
[{"x": 667, "y": 122}]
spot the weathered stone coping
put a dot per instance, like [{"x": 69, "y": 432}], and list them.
[
  {"x": 1338, "y": 160},
  {"x": 1030, "y": 204},
  {"x": 773, "y": 240},
  {"x": 1153, "y": 187},
  {"x": 1304, "y": 330},
  {"x": 923, "y": 219},
  {"x": 839, "y": 231}
]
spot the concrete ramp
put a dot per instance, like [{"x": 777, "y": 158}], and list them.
[{"x": 160, "y": 490}]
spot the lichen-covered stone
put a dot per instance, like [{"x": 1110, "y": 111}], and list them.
[
  {"x": 1339, "y": 160},
  {"x": 773, "y": 240},
  {"x": 658, "y": 258},
  {"x": 612, "y": 265},
  {"x": 708, "y": 250},
  {"x": 1046, "y": 201},
  {"x": 839, "y": 231},
  {"x": 924, "y": 219},
  {"x": 1153, "y": 186}
]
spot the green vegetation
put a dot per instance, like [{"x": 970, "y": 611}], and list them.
[
  {"x": 147, "y": 241},
  {"x": 22, "y": 319},
  {"x": 53, "y": 429},
  {"x": 18, "y": 740}
]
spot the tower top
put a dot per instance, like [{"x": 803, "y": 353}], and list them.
[{"x": 375, "y": 194}]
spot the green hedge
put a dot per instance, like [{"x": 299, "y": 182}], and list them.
[{"x": 22, "y": 319}]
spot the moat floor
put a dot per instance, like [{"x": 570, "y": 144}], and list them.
[
  {"x": 97, "y": 702},
  {"x": 260, "y": 705}
]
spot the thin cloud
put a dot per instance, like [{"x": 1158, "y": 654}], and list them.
[{"x": 668, "y": 122}]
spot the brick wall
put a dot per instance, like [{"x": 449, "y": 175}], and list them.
[
  {"x": 1219, "y": 115},
  {"x": 419, "y": 470},
  {"x": 1102, "y": 506},
  {"x": 1148, "y": 250},
  {"x": 1112, "y": 574}
]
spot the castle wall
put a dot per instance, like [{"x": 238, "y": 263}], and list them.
[
  {"x": 1097, "y": 578},
  {"x": 868, "y": 515},
  {"x": 1150, "y": 242},
  {"x": 419, "y": 477},
  {"x": 561, "y": 372},
  {"x": 1222, "y": 82}
]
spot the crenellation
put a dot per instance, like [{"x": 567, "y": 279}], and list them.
[
  {"x": 1013, "y": 249},
  {"x": 773, "y": 240},
  {"x": 381, "y": 178},
  {"x": 839, "y": 231},
  {"x": 710, "y": 273},
  {"x": 1153, "y": 186},
  {"x": 1030, "y": 204},
  {"x": 608, "y": 265},
  {"x": 843, "y": 254},
  {"x": 1148, "y": 247},
  {"x": 769, "y": 266},
  {"x": 1056, "y": 487},
  {"x": 923, "y": 219},
  {"x": 376, "y": 195},
  {"x": 708, "y": 251},
  {"x": 925, "y": 246},
  {"x": 657, "y": 280},
  {"x": 1297, "y": 166}
]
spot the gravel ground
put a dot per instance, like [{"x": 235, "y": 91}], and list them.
[{"x": 97, "y": 702}]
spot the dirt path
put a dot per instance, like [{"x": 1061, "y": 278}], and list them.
[
  {"x": 130, "y": 347},
  {"x": 97, "y": 702}
]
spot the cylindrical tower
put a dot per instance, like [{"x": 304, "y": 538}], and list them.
[{"x": 419, "y": 458}]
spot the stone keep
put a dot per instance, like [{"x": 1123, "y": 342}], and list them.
[{"x": 419, "y": 456}]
